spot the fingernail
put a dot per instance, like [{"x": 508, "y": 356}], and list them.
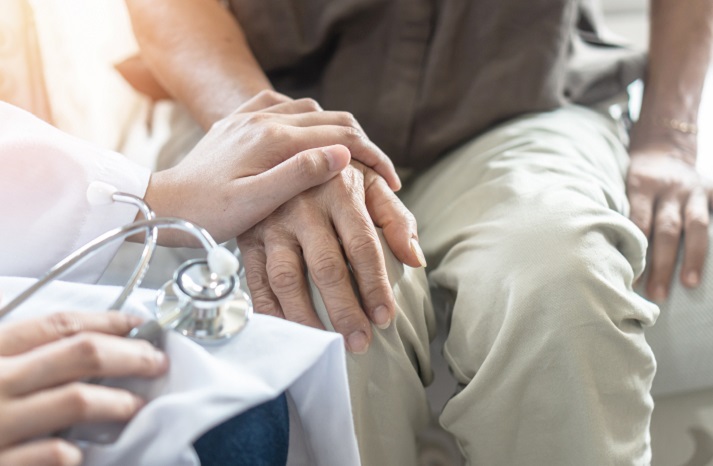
[
  {"x": 692, "y": 278},
  {"x": 416, "y": 248},
  {"x": 332, "y": 156},
  {"x": 659, "y": 293},
  {"x": 381, "y": 317},
  {"x": 357, "y": 342}
]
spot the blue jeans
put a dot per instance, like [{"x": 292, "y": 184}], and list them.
[{"x": 258, "y": 437}]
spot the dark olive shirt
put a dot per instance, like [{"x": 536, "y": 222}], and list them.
[{"x": 423, "y": 76}]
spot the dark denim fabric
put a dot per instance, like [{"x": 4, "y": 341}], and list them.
[{"x": 258, "y": 437}]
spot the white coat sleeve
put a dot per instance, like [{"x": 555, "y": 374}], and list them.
[{"x": 44, "y": 214}]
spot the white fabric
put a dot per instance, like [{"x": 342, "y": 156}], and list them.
[
  {"x": 44, "y": 214},
  {"x": 268, "y": 357}
]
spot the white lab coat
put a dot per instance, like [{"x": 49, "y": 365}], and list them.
[{"x": 44, "y": 216}]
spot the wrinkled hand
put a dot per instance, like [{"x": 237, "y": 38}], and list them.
[
  {"x": 42, "y": 363},
  {"x": 669, "y": 199},
  {"x": 320, "y": 227},
  {"x": 265, "y": 153}
]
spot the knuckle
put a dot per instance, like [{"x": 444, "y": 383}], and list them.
[
  {"x": 307, "y": 166},
  {"x": 364, "y": 245},
  {"x": 328, "y": 269},
  {"x": 284, "y": 277},
  {"x": 696, "y": 221},
  {"x": 270, "y": 96},
  {"x": 256, "y": 119},
  {"x": 271, "y": 131},
  {"x": 348, "y": 119},
  {"x": 353, "y": 135},
  {"x": 668, "y": 228},
  {"x": 311, "y": 104},
  {"x": 88, "y": 349},
  {"x": 264, "y": 304},
  {"x": 347, "y": 320},
  {"x": 257, "y": 279},
  {"x": 65, "y": 324},
  {"x": 80, "y": 401}
]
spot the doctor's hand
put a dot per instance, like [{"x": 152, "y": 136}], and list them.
[
  {"x": 669, "y": 200},
  {"x": 323, "y": 228},
  {"x": 264, "y": 154},
  {"x": 42, "y": 364}
]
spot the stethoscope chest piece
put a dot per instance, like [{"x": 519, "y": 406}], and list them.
[{"x": 202, "y": 305}]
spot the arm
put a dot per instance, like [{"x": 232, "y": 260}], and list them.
[
  {"x": 44, "y": 362},
  {"x": 176, "y": 35},
  {"x": 668, "y": 197},
  {"x": 199, "y": 53},
  {"x": 199, "y": 49}
]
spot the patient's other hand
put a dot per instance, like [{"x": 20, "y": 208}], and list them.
[
  {"x": 319, "y": 227},
  {"x": 42, "y": 364}
]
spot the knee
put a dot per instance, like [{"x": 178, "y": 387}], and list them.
[
  {"x": 585, "y": 265},
  {"x": 567, "y": 269}
]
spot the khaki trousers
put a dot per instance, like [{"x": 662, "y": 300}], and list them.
[{"x": 526, "y": 228}]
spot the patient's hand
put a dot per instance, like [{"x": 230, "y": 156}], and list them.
[
  {"x": 42, "y": 363},
  {"x": 319, "y": 227},
  {"x": 268, "y": 151}
]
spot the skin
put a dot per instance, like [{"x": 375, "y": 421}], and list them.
[
  {"x": 276, "y": 250},
  {"x": 669, "y": 199},
  {"x": 248, "y": 164},
  {"x": 42, "y": 364},
  {"x": 238, "y": 175}
]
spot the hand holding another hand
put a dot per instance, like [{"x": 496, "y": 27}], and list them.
[{"x": 265, "y": 153}]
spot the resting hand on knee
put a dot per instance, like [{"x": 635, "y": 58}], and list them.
[
  {"x": 669, "y": 199},
  {"x": 322, "y": 225}
]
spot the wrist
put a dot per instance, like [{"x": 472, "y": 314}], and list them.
[
  {"x": 163, "y": 198},
  {"x": 677, "y": 137}
]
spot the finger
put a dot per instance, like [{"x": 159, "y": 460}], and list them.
[
  {"x": 255, "y": 263},
  {"x": 323, "y": 118},
  {"x": 641, "y": 210},
  {"x": 295, "y": 107},
  {"x": 287, "y": 280},
  {"x": 270, "y": 189},
  {"x": 262, "y": 100},
  {"x": 326, "y": 266},
  {"x": 398, "y": 223},
  {"x": 58, "y": 408},
  {"x": 83, "y": 356},
  {"x": 363, "y": 250},
  {"x": 49, "y": 452},
  {"x": 360, "y": 146},
  {"x": 19, "y": 337},
  {"x": 665, "y": 241},
  {"x": 695, "y": 250}
]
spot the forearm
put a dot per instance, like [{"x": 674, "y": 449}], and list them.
[
  {"x": 199, "y": 53},
  {"x": 679, "y": 57}
]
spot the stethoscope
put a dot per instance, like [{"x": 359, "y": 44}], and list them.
[{"x": 203, "y": 301}]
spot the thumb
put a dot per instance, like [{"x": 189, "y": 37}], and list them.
[{"x": 274, "y": 187}]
